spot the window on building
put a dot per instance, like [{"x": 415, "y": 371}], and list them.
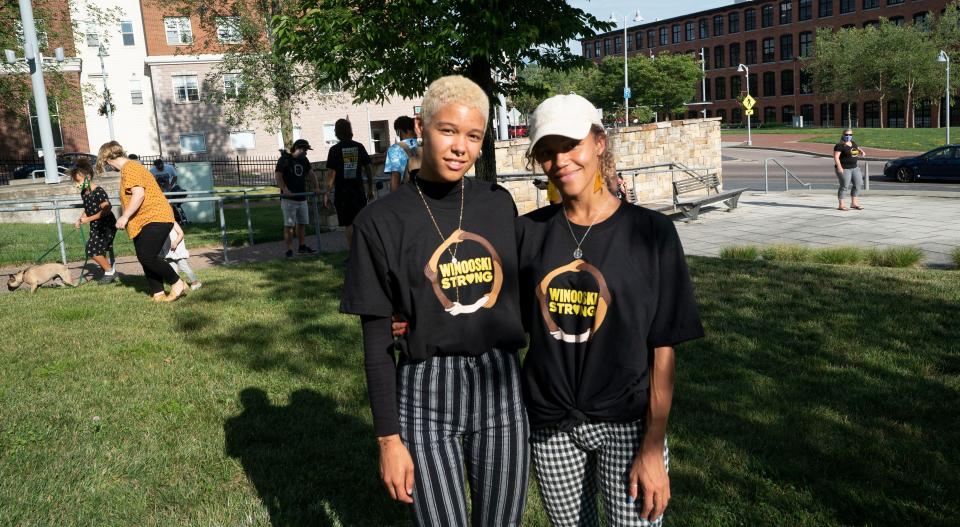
[
  {"x": 617, "y": 45},
  {"x": 193, "y": 143},
  {"x": 871, "y": 114},
  {"x": 806, "y": 83},
  {"x": 735, "y": 86},
  {"x": 786, "y": 11},
  {"x": 848, "y": 121},
  {"x": 664, "y": 36},
  {"x": 871, "y": 4},
  {"x": 786, "y": 47},
  {"x": 178, "y": 30},
  {"x": 704, "y": 29},
  {"x": 824, "y": 8},
  {"x": 806, "y": 111},
  {"x": 847, "y": 6},
  {"x": 806, "y": 43},
  {"x": 734, "y": 54},
  {"x": 804, "y": 10},
  {"x": 705, "y": 57},
  {"x": 243, "y": 140},
  {"x": 588, "y": 50},
  {"x": 894, "y": 2},
  {"x": 749, "y": 20},
  {"x": 871, "y": 23},
  {"x": 750, "y": 52},
  {"x": 718, "y": 25},
  {"x": 848, "y": 26},
  {"x": 676, "y": 33},
  {"x": 920, "y": 19},
  {"x": 329, "y": 136},
  {"x": 770, "y": 114},
  {"x": 126, "y": 31},
  {"x": 754, "y": 89},
  {"x": 706, "y": 86},
  {"x": 690, "y": 29},
  {"x": 185, "y": 88},
  {"x": 736, "y": 116},
  {"x": 769, "y": 50},
  {"x": 896, "y": 20},
  {"x": 231, "y": 85},
  {"x": 606, "y": 47},
  {"x": 722, "y": 114},
  {"x": 786, "y": 114},
  {"x": 596, "y": 49},
  {"x": 786, "y": 82},
  {"x": 826, "y": 115},
  {"x": 895, "y": 114},
  {"x": 93, "y": 35},
  {"x": 720, "y": 88},
  {"x": 651, "y": 39},
  {"x": 718, "y": 52},
  {"x": 136, "y": 92},
  {"x": 766, "y": 15},
  {"x": 769, "y": 84},
  {"x": 638, "y": 38},
  {"x": 733, "y": 22},
  {"x": 228, "y": 29},
  {"x": 54, "y": 110}
]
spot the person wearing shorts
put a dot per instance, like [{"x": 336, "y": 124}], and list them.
[
  {"x": 345, "y": 161},
  {"x": 292, "y": 172}
]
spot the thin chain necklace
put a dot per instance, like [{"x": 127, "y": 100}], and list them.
[
  {"x": 453, "y": 252},
  {"x": 577, "y": 253}
]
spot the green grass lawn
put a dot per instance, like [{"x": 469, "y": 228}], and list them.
[
  {"x": 822, "y": 396},
  {"x": 25, "y": 242},
  {"x": 914, "y": 139}
]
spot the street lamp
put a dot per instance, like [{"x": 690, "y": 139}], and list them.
[
  {"x": 626, "y": 85},
  {"x": 746, "y": 77},
  {"x": 34, "y": 61},
  {"x": 943, "y": 57},
  {"x": 107, "y": 102}
]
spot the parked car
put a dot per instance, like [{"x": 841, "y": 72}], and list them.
[
  {"x": 942, "y": 162},
  {"x": 65, "y": 162},
  {"x": 520, "y": 130}
]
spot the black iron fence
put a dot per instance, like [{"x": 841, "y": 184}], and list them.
[{"x": 22, "y": 167}]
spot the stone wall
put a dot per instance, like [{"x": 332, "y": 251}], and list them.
[{"x": 694, "y": 143}]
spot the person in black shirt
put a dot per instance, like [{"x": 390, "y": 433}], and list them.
[
  {"x": 441, "y": 253},
  {"x": 96, "y": 212},
  {"x": 845, "y": 155},
  {"x": 345, "y": 160},
  {"x": 606, "y": 296},
  {"x": 291, "y": 174}
]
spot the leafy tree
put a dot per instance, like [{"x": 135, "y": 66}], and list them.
[
  {"x": 912, "y": 66},
  {"x": 379, "y": 49},
  {"x": 835, "y": 64}
]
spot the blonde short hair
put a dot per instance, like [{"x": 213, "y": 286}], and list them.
[
  {"x": 108, "y": 151},
  {"x": 454, "y": 89}
]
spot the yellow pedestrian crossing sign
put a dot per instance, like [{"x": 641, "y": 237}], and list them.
[
  {"x": 748, "y": 102},
  {"x": 748, "y": 112}
]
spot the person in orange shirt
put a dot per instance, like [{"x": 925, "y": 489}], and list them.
[{"x": 147, "y": 217}]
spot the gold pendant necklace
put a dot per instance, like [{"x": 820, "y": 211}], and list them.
[{"x": 452, "y": 252}]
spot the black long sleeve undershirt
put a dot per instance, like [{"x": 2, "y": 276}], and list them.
[{"x": 381, "y": 367}]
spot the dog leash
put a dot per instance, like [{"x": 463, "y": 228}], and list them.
[
  {"x": 44, "y": 255},
  {"x": 83, "y": 241}
]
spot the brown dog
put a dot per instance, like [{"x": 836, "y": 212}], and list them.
[{"x": 37, "y": 275}]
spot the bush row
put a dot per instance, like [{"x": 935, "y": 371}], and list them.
[{"x": 844, "y": 255}]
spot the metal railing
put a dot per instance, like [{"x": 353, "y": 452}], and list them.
[{"x": 787, "y": 175}]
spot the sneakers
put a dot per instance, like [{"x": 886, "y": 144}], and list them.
[
  {"x": 289, "y": 253},
  {"x": 305, "y": 250},
  {"x": 196, "y": 285},
  {"x": 107, "y": 279}
]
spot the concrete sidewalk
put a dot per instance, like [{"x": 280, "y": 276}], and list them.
[
  {"x": 925, "y": 220},
  {"x": 794, "y": 143}
]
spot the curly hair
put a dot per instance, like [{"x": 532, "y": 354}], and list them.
[
  {"x": 608, "y": 162},
  {"x": 453, "y": 89},
  {"x": 109, "y": 151},
  {"x": 82, "y": 167}
]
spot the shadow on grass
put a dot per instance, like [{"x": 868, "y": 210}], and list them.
[
  {"x": 822, "y": 395},
  {"x": 311, "y": 464}
]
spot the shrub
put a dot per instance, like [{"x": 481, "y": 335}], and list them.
[
  {"x": 895, "y": 257},
  {"x": 955, "y": 256},
  {"x": 839, "y": 255},
  {"x": 740, "y": 252},
  {"x": 786, "y": 253}
]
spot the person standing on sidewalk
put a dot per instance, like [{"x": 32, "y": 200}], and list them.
[
  {"x": 291, "y": 173},
  {"x": 845, "y": 156},
  {"x": 345, "y": 161}
]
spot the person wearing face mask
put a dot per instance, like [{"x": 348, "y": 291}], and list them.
[
  {"x": 441, "y": 253},
  {"x": 845, "y": 156},
  {"x": 606, "y": 296}
]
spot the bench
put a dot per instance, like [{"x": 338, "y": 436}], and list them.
[{"x": 690, "y": 207}]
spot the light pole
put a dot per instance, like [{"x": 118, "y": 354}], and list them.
[
  {"x": 34, "y": 60},
  {"x": 107, "y": 102},
  {"x": 746, "y": 77},
  {"x": 703, "y": 80},
  {"x": 626, "y": 85},
  {"x": 943, "y": 57}
]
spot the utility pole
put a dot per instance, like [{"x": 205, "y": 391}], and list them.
[{"x": 107, "y": 98}]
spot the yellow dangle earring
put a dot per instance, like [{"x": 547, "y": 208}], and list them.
[{"x": 598, "y": 183}]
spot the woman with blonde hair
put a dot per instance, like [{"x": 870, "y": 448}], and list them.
[
  {"x": 441, "y": 253},
  {"x": 607, "y": 296},
  {"x": 147, "y": 218}
]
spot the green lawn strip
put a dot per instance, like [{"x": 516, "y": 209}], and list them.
[
  {"x": 908, "y": 139},
  {"x": 822, "y": 395},
  {"x": 24, "y": 242}
]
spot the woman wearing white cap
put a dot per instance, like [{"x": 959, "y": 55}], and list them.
[{"x": 609, "y": 295}]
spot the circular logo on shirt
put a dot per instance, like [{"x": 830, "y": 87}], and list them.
[
  {"x": 574, "y": 307},
  {"x": 298, "y": 170},
  {"x": 460, "y": 277}
]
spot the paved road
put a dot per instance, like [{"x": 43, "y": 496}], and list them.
[{"x": 743, "y": 167}]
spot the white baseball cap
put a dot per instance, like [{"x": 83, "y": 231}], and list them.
[{"x": 567, "y": 115}]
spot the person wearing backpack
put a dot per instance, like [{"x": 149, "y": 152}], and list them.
[{"x": 403, "y": 158}]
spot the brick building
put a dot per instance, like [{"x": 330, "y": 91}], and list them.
[{"x": 770, "y": 37}]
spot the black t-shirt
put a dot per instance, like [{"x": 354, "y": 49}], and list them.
[
  {"x": 594, "y": 322},
  {"x": 346, "y": 158},
  {"x": 399, "y": 264},
  {"x": 848, "y": 154},
  {"x": 294, "y": 170},
  {"x": 91, "y": 206}
]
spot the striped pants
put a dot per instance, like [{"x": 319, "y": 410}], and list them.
[
  {"x": 571, "y": 465},
  {"x": 461, "y": 412}
]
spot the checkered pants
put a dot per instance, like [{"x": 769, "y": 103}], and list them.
[
  {"x": 570, "y": 465},
  {"x": 461, "y": 412}
]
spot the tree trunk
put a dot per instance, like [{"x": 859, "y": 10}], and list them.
[
  {"x": 479, "y": 71},
  {"x": 908, "y": 110},
  {"x": 849, "y": 116},
  {"x": 881, "y": 110}
]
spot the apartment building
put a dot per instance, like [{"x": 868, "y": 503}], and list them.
[{"x": 770, "y": 37}]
